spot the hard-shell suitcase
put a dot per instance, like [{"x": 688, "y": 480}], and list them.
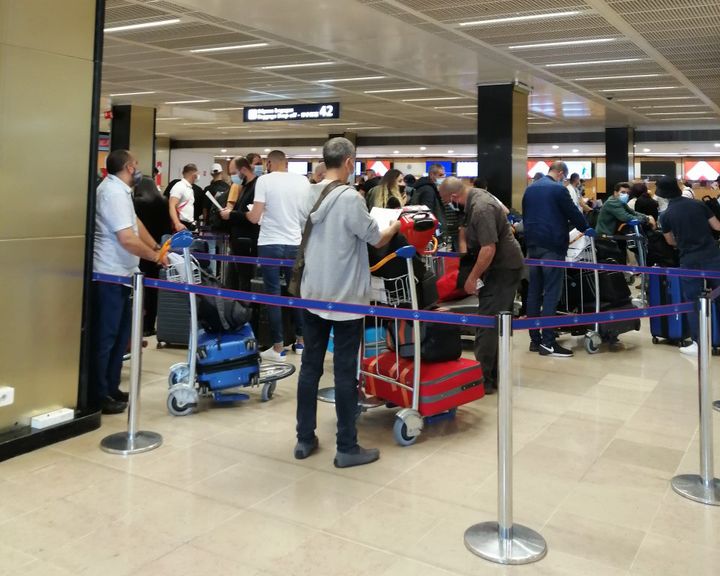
[
  {"x": 444, "y": 385},
  {"x": 228, "y": 360},
  {"x": 667, "y": 290},
  {"x": 173, "y": 317}
]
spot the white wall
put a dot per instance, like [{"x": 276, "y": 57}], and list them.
[{"x": 181, "y": 157}]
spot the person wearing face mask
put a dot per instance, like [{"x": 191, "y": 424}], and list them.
[
  {"x": 121, "y": 240},
  {"x": 182, "y": 200},
  {"x": 336, "y": 269},
  {"x": 243, "y": 233},
  {"x": 426, "y": 193},
  {"x": 256, "y": 166},
  {"x": 615, "y": 211}
]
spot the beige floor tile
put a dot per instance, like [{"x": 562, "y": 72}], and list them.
[
  {"x": 678, "y": 424},
  {"x": 566, "y": 464},
  {"x": 191, "y": 561},
  {"x": 318, "y": 500},
  {"x": 327, "y": 555},
  {"x": 593, "y": 540},
  {"x": 653, "y": 438},
  {"x": 599, "y": 408},
  {"x": 39, "y": 568},
  {"x": 663, "y": 556},
  {"x": 614, "y": 474},
  {"x": 407, "y": 567},
  {"x": 612, "y": 391},
  {"x": 117, "y": 549},
  {"x": 585, "y": 435},
  {"x": 681, "y": 519},
  {"x": 12, "y": 559},
  {"x": 255, "y": 539},
  {"x": 655, "y": 457}
]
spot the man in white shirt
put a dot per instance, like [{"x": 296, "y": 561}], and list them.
[
  {"x": 182, "y": 200},
  {"x": 120, "y": 241},
  {"x": 283, "y": 201},
  {"x": 572, "y": 188},
  {"x": 336, "y": 269}
]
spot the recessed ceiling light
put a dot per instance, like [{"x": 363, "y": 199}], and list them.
[
  {"x": 267, "y": 150},
  {"x": 679, "y": 112},
  {"x": 299, "y": 65},
  {"x": 538, "y": 123},
  {"x": 225, "y": 109},
  {"x": 187, "y": 102},
  {"x": 198, "y": 123},
  {"x": 339, "y": 124},
  {"x": 590, "y": 62},
  {"x": 223, "y": 150},
  {"x": 623, "y": 77},
  {"x": 468, "y": 114},
  {"x": 695, "y": 118},
  {"x": 423, "y": 148},
  {"x": 313, "y": 149},
  {"x": 562, "y": 43},
  {"x": 355, "y": 79},
  {"x": 656, "y": 107},
  {"x": 640, "y": 88},
  {"x": 647, "y": 150},
  {"x": 170, "y": 118},
  {"x": 451, "y": 151},
  {"x": 396, "y": 151},
  {"x": 717, "y": 145},
  {"x": 143, "y": 25},
  {"x": 433, "y": 99},
  {"x": 228, "y": 48},
  {"x": 555, "y": 147},
  {"x": 575, "y": 150},
  {"x": 520, "y": 18},
  {"x": 391, "y": 90},
  {"x": 657, "y": 98},
  {"x": 456, "y": 106},
  {"x": 130, "y": 94}
]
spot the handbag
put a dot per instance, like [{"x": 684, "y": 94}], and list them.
[
  {"x": 438, "y": 342},
  {"x": 299, "y": 265}
]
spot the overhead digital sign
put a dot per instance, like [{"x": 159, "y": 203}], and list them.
[{"x": 292, "y": 112}]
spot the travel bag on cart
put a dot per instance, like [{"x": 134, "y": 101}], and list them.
[
  {"x": 229, "y": 359},
  {"x": 667, "y": 290},
  {"x": 438, "y": 342},
  {"x": 443, "y": 385},
  {"x": 614, "y": 329}
]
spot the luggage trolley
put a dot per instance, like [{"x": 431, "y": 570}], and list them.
[
  {"x": 196, "y": 377},
  {"x": 408, "y": 390}
]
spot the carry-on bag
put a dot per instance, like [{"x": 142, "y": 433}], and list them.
[
  {"x": 667, "y": 290},
  {"x": 443, "y": 385},
  {"x": 438, "y": 342},
  {"x": 229, "y": 359}
]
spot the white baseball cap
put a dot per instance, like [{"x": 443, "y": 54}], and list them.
[{"x": 216, "y": 168}]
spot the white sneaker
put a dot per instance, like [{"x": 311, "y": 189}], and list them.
[
  {"x": 690, "y": 349},
  {"x": 272, "y": 356}
]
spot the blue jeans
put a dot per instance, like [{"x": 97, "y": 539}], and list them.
[
  {"x": 693, "y": 287},
  {"x": 271, "y": 279},
  {"x": 544, "y": 291},
  {"x": 346, "y": 337},
  {"x": 112, "y": 318}
]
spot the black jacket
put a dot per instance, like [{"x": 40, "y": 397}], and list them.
[
  {"x": 152, "y": 209},
  {"x": 240, "y": 226},
  {"x": 646, "y": 204},
  {"x": 427, "y": 194}
]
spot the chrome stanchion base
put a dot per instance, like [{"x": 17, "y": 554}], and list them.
[
  {"x": 124, "y": 444},
  {"x": 526, "y": 545},
  {"x": 692, "y": 487},
  {"x": 716, "y": 405}
]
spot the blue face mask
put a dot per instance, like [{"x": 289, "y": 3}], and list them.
[
  {"x": 236, "y": 179},
  {"x": 624, "y": 198},
  {"x": 258, "y": 170},
  {"x": 439, "y": 181}
]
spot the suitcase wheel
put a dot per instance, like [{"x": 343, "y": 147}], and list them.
[
  {"x": 655, "y": 340},
  {"x": 268, "y": 391},
  {"x": 407, "y": 427},
  {"x": 182, "y": 400}
]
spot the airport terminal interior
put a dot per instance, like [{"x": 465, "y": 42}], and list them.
[{"x": 602, "y": 461}]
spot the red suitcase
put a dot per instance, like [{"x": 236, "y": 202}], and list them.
[{"x": 444, "y": 385}]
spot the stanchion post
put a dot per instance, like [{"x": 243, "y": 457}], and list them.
[
  {"x": 503, "y": 541},
  {"x": 704, "y": 488},
  {"x": 134, "y": 441}
]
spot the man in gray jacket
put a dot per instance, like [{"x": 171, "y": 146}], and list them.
[{"x": 336, "y": 269}]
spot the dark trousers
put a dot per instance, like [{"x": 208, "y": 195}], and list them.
[
  {"x": 150, "y": 297},
  {"x": 241, "y": 275},
  {"x": 544, "y": 291},
  {"x": 497, "y": 295},
  {"x": 693, "y": 287},
  {"x": 271, "y": 279},
  {"x": 111, "y": 323},
  {"x": 346, "y": 338}
]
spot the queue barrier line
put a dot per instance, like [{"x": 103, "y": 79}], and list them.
[
  {"x": 601, "y": 267},
  {"x": 469, "y": 320}
]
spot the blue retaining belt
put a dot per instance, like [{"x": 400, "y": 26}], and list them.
[{"x": 472, "y": 320}]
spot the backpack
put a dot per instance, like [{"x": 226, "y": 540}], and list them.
[{"x": 217, "y": 315}]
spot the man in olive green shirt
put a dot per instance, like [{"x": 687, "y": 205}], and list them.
[{"x": 615, "y": 211}]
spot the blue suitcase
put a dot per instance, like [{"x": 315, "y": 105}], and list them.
[
  {"x": 228, "y": 360},
  {"x": 667, "y": 290}
]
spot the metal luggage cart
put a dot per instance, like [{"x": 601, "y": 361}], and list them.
[{"x": 184, "y": 389}]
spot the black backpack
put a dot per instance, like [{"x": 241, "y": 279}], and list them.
[{"x": 217, "y": 315}]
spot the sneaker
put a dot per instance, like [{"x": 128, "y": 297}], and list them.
[
  {"x": 534, "y": 347},
  {"x": 298, "y": 347},
  {"x": 357, "y": 457},
  {"x": 556, "y": 351},
  {"x": 690, "y": 349},
  {"x": 305, "y": 449},
  {"x": 272, "y": 356}
]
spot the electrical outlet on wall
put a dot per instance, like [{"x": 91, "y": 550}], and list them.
[{"x": 7, "y": 395}]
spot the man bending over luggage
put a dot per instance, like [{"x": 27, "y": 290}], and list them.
[
  {"x": 497, "y": 266},
  {"x": 120, "y": 241},
  {"x": 336, "y": 269}
]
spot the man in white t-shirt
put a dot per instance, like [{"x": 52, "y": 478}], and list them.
[
  {"x": 120, "y": 241},
  {"x": 283, "y": 201},
  {"x": 182, "y": 200}
]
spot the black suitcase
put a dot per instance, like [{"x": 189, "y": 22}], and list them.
[
  {"x": 173, "y": 318},
  {"x": 612, "y": 330},
  {"x": 614, "y": 290}
]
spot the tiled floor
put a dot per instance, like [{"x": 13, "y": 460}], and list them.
[{"x": 597, "y": 439}]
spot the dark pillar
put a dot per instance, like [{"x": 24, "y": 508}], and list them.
[
  {"x": 619, "y": 156},
  {"x": 502, "y": 140}
]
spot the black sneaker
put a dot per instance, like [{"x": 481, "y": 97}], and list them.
[
  {"x": 305, "y": 449},
  {"x": 556, "y": 351},
  {"x": 111, "y": 406},
  {"x": 534, "y": 347},
  {"x": 359, "y": 456}
]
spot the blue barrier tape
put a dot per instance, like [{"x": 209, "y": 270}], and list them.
[
  {"x": 283, "y": 263},
  {"x": 469, "y": 320}
]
